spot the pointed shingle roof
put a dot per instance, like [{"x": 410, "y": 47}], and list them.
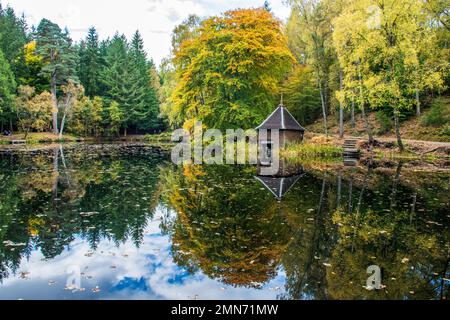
[
  {"x": 278, "y": 186},
  {"x": 281, "y": 119}
]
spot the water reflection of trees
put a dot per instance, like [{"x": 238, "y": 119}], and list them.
[
  {"x": 324, "y": 234},
  {"x": 51, "y": 196},
  {"x": 226, "y": 224}
]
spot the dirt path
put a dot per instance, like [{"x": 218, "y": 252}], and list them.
[{"x": 421, "y": 146}]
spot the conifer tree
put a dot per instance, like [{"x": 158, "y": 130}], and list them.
[
  {"x": 7, "y": 89},
  {"x": 90, "y": 63},
  {"x": 144, "y": 95}
]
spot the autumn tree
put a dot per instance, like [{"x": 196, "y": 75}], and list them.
[
  {"x": 309, "y": 32},
  {"x": 228, "y": 75},
  {"x": 72, "y": 94},
  {"x": 33, "y": 110},
  {"x": 116, "y": 118},
  {"x": 377, "y": 46}
]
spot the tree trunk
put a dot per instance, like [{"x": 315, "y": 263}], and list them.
[
  {"x": 352, "y": 121},
  {"x": 324, "y": 108},
  {"x": 397, "y": 131},
  {"x": 63, "y": 122},
  {"x": 341, "y": 106},
  {"x": 55, "y": 105},
  {"x": 27, "y": 131},
  {"x": 418, "y": 111}
]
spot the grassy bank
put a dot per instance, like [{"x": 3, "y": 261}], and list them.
[
  {"x": 39, "y": 137},
  {"x": 317, "y": 147}
]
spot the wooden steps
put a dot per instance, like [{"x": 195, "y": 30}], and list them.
[{"x": 350, "y": 149}]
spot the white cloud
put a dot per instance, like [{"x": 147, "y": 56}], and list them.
[
  {"x": 155, "y": 19},
  {"x": 151, "y": 266}
]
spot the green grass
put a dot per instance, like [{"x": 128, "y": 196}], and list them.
[{"x": 39, "y": 137}]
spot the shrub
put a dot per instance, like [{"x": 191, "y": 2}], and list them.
[
  {"x": 385, "y": 122},
  {"x": 438, "y": 116}
]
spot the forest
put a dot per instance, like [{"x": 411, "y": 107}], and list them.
[{"x": 334, "y": 61}]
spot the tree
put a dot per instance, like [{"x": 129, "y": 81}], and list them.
[
  {"x": 116, "y": 118},
  {"x": 29, "y": 66},
  {"x": 58, "y": 57},
  {"x": 228, "y": 75},
  {"x": 90, "y": 63},
  {"x": 12, "y": 36},
  {"x": 309, "y": 32},
  {"x": 301, "y": 94},
  {"x": 144, "y": 94},
  {"x": 33, "y": 111},
  {"x": 183, "y": 32},
  {"x": 87, "y": 117},
  {"x": 384, "y": 54},
  {"x": 118, "y": 78},
  {"x": 7, "y": 90}
]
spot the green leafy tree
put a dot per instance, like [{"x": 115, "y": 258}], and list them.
[
  {"x": 302, "y": 95},
  {"x": 116, "y": 118}
]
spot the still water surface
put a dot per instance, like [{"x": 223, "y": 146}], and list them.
[{"x": 124, "y": 223}]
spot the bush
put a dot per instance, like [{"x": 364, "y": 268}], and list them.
[
  {"x": 445, "y": 132},
  {"x": 438, "y": 115}
]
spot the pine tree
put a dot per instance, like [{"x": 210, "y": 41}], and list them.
[
  {"x": 12, "y": 36},
  {"x": 117, "y": 78},
  {"x": 144, "y": 94},
  {"x": 59, "y": 59},
  {"x": 90, "y": 63}
]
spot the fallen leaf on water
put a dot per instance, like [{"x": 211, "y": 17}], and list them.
[{"x": 96, "y": 289}]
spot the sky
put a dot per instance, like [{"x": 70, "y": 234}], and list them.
[{"x": 155, "y": 19}]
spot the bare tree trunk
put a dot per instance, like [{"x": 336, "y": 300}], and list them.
[
  {"x": 363, "y": 110},
  {"x": 55, "y": 104},
  {"x": 341, "y": 106},
  {"x": 352, "y": 121},
  {"x": 67, "y": 106},
  {"x": 418, "y": 111},
  {"x": 324, "y": 108},
  {"x": 397, "y": 131},
  {"x": 63, "y": 121}
]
